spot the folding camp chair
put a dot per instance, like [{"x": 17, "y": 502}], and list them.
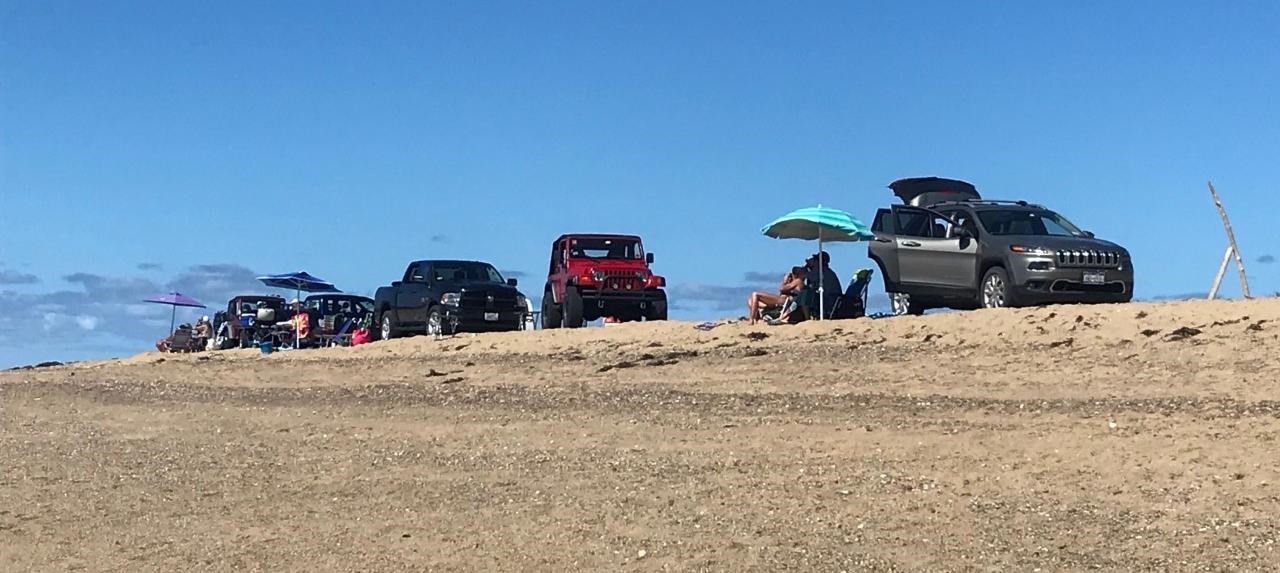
[
  {"x": 853, "y": 303},
  {"x": 181, "y": 341},
  {"x": 342, "y": 338}
]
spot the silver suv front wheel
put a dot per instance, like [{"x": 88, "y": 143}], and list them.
[{"x": 995, "y": 289}]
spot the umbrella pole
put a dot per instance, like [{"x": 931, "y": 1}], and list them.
[
  {"x": 173, "y": 317},
  {"x": 298, "y": 297},
  {"x": 822, "y": 275}
]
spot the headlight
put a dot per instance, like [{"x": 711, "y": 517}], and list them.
[
  {"x": 644, "y": 276},
  {"x": 598, "y": 275},
  {"x": 522, "y": 302},
  {"x": 450, "y": 298},
  {"x": 1025, "y": 250}
]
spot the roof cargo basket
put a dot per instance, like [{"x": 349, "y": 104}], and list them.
[{"x": 924, "y": 191}]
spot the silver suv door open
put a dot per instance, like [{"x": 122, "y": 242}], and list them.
[
  {"x": 885, "y": 247},
  {"x": 930, "y": 251}
]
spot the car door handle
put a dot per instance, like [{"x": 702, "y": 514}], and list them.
[
  {"x": 910, "y": 244},
  {"x": 882, "y": 240}
]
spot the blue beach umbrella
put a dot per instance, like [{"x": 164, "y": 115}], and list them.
[
  {"x": 822, "y": 224},
  {"x": 299, "y": 282}
]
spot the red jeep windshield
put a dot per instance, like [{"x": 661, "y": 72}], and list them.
[{"x": 588, "y": 248}]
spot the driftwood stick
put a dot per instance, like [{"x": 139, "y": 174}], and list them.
[
  {"x": 1231, "y": 239},
  {"x": 1222, "y": 271}
]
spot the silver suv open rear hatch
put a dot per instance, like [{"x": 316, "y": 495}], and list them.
[{"x": 925, "y": 191}]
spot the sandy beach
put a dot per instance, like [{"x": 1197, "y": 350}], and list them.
[{"x": 1135, "y": 437}]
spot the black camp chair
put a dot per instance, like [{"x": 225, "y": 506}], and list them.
[{"x": 853, "y": 303}]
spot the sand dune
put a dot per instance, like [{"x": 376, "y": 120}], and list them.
[{"x": 1126, "y": 437}]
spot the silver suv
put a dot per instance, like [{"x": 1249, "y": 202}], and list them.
[{"x": 948, "y": 247}]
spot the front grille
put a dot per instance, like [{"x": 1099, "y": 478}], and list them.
[
  {"x": 1088, "y": 258},
  {"x": 1075, "y": 287},
  {"x": 487, "y": 301},
  {"x": 622, "y": 280}
]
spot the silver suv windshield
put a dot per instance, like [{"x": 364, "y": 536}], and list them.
[{"x": 1028, "y": 222}]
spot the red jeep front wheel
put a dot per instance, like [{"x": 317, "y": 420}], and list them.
[{"x": 572, "y": 308}]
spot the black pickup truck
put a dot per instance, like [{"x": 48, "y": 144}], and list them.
[{"x": 444, "y": 297}]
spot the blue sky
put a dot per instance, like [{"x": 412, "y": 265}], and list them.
[{"x": 158, "y": 144}]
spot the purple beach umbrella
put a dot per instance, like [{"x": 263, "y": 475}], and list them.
[{"x": 175, "y": 299}]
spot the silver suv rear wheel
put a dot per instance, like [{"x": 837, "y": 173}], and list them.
[
  {"x": 995, "y": 289},
  {"x": 899, "y": 303}
]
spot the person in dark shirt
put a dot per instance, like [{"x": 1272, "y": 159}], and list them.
[{"x": 821, "y": 276}]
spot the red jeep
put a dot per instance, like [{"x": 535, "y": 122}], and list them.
[{"x": 596, "y": 276}]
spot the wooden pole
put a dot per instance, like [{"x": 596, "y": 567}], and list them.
[
  {"x": 1231, "y": 239},
  {"x": 1222, "y": 271}
]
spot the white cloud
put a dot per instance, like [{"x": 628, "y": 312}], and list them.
[
  {"x": 87, "y": 322},
  {"x": 52, "y": 320}
]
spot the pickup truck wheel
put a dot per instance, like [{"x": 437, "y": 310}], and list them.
[
  {"x": 995, "y": 292},
  {"x": 437, "y": 323},
  {"x": 550, "y": 312},
  {"x": 386, "y": 328},
  {"x": 572, "y": 308}
]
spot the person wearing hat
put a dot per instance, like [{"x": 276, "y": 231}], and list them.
[{"x": 822, "y": 280}]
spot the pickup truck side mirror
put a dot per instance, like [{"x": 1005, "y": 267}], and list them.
[
  {"x": 395, "y": 283},
  {"x": 648, "y": 258},
  {"x": 1088, "y": 234},
  {"x": 512, "y": 281}
]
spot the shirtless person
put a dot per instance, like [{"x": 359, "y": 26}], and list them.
[{"x": 791, "y": 284}]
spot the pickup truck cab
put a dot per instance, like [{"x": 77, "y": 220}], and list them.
[{"x": 442, "y": 297}]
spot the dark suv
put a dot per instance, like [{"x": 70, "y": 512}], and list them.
[{"x": 947, "y": 247}]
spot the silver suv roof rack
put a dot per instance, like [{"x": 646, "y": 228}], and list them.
[{"x": 988, "y": 202}]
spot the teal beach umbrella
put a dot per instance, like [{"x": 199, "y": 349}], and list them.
[{"x": 822, "y": 224}]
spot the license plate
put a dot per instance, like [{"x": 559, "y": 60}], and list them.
[
  {"x": 491, "y": 316},
  {"x": 1095, "y": 278}
]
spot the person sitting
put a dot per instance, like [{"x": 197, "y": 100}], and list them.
[
  {"x": 300, "y": 323},
  {"x": 180, "y": 340},
  {"x": 792, "y": 282},
  {"x": 202, "y": 333},
  {"x": 821, "y": 281}
]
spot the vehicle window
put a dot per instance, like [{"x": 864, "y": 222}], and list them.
[
  {"x": 415, "y": 274},
  {"x": 963, "y": 219},
  {"x": 1027, "y": 222},
  {"x": 588, "y": 248},
  {"x": 917, "y": 223},
  {"x": 883, "y": 221},
  {"x": 557, "y": 257},
  {"x": 365, "y": 306},
  {"x": 466, "y": 271}
]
